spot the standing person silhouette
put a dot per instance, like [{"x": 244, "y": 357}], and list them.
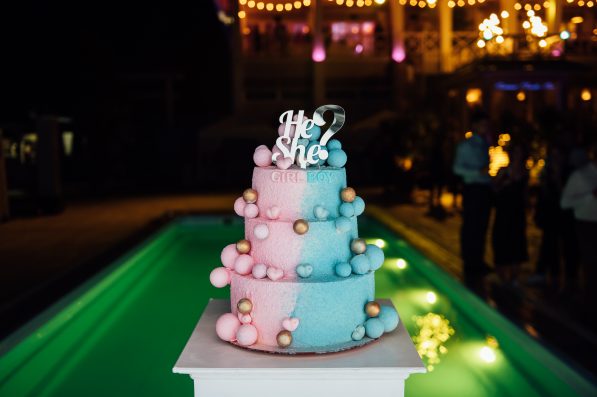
[{"x": 471, "y": 164}]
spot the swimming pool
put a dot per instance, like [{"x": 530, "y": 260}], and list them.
[{"x": 121, "y": 332}]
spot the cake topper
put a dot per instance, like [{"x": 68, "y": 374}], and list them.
[{"x": 291, "y": 143}]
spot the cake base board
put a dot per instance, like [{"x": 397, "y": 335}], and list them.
[{"x": 306, "y": 350}]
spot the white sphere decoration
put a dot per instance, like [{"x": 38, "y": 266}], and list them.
[
  {"x": 261, "y": 231},
  {"x": 259, "y": 271}
]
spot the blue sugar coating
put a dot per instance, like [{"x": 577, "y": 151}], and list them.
[
  {"x": 359, "y": 205},
  {"x": 375, "y": 256},
  {"x": 330, "y": 311},
  {"x": 374, "y": 328},
  {"x": 343, "y": 269},
  {"x": 347, "y": 210},
  {"x": 323, "y": 247},
  {"x": 323, "y": 188},
  {"x": 360, "y": 264},
  {"x": 320, "y": 212},
  {"x": 389, "y": 317},
  {"x": 334, "y": 144},
  {"x": 337, "y": 158},
  {"x": 304, "y": 270},
  {"x": 315, "y": 132},
  {"x": 342, "y": 224}
]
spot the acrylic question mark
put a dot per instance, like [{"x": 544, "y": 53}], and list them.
[{"x": 339, "y": 118}]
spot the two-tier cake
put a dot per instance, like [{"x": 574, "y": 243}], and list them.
[{"x": 301, "y": 280}]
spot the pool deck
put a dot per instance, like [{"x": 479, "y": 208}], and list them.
[{"x": 37, "y": 252}]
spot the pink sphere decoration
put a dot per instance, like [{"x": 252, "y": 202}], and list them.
[
  {"x": 261, "y": 231},
  {"x": 259, "y": 270},
  {"x": 219, "y": 277},
  {"x": 246, "y": 335},
  {"x": 261, "y": 147},
  {"x": 245, "y": 318},
  {"x": 282, "y": 127},
  {"x": 239, "y": 206},
  {"x": 229, "y": 255},
  {"x": 243, "y": 264},
  {"x": 251, "y": 211},
  {"x": 262, "y": 156},
  {"x": 284, "y": 163},
  {"x": 227, "y": 326}
]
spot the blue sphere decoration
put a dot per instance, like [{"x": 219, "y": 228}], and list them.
[
  {"x": 347, "y": 209},
  {"x": 337, "y": 158},
  {"x": 359, "y": 205},
  {"x": 343, "y": 224},
  {"x": 334, "y": 144},
  {"x": 303, "y": 141},
  {"x": 315, "y": 132},
  {"x": 374, "y": 328},
  {"x": 375, "y": 256},
  {"x": 389, "y": 317},
  {"x": 343, "y": 269},
  {"x": 360, "y": 264}
]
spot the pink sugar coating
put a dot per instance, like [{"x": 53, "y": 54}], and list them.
[
  {"x": 227, "y": 326},
  {"x": 243, "y": 264},
  {"x": 245, "y": 318},
  {"x": 219, "y": 277},
  {"x": 262, "y": 156},
  {"x": 277, "y": 189},
  {"x": 229, "y": 255},
  {"x": 272, "y": 302},
  {"x": 239, "y": 206},
  {"x": 251, "y": 211},
  {"x": 284, "y": 163},
  {"x": 246, "y": 335},
  {"x": 261, "y": 231}
]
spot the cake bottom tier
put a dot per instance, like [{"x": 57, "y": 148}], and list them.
[{"x": 327, "y": 311}]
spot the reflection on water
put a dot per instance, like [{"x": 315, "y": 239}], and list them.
[{"x": 434, "y": 330}]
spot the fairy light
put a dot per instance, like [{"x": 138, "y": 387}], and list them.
[
  {"x": 401, "y": 263},
  {"x": 242, "y": 14},
  {"x": 269, "y": 6},
  {"x": 434, "y": 330}
]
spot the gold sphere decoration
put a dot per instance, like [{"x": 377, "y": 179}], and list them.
[
  {"x": 244, "y": 306},
  {"x": 243, "y": 246},
  {"x": 348, "y": 194},
  {"x": 284, "y": 338},
  {"x": 372, "y": 309},
  {"x": 250, "y": 196},
  {"x": 358, "y": 246},
  {"x": 300, "y": 226}
]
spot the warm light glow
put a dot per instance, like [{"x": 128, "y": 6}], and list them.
[
  {"x": 269, "y": 6},
  {"x": 460, "y": 3},
  {"x": 527, "y": 7},
  {"x": 306, "y": 3},
  {"x": 279, "y": 7},
  {"x": 577, "y": 19},
  {"x": 451, "y": 3},
  {"x": 526, "y": 24},
  {"x": 468, "y": 134},
  {"x": 413, "y": 2},
  {"x": 530, "y": 13},
  {"x": 586, "y": 95},
  {"x": 542, "y": 43},
  {"x": 504, "y": 14},
  {"x": 380, "y": 2},
  {"x": 261, "y": 5},
  {"x": 481, "y": 43},
  {"x": 581, "y": 3},
  {"x": 339, "y": 2},
  {"x": 521, "y": 96},
  {"x": 546, "y": 4},
  {"x": 380, "y": 243},
  {"x": 434, "y": 331},
  {"x": 499, "y": 39},
  {"x": 517, "y": 6},
  {"x": 242, "y": 2},
  {"x": 368, "y": 3},
  {"x": 590, "y": 4},
  {"x": 537, "y": 7},
  {"x": 349, "y": 3},
  {"x": 398, "y": 54},
  {"x": 318, "y": 54},
  {"x": 498, "y": 158},
  {"x": 430, "y": 297},
  {"x": 473, "y": 95},
  {"x": 401, "y": 263},
  {"x": 288, "y": 6},
  {"x": 487, "y": 354},
  {"x": 242, "y": 14},
  {"x": 422, "y": 4},
  {"x": 297, "y": 5},
  {"x": 564, "y": 35},
  {"x": 471, "y": 2}
]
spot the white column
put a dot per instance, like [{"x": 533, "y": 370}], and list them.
[
  {"x": 398, "y": 51},
  {"x": 554, "y": 16},
  {"x": 445, "y": 36}
]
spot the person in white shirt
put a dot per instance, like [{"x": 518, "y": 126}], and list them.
[
  {"x": 471, "y": 164},
  {"x": 580, "y": 195}
]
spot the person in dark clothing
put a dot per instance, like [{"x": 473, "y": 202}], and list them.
[
  {"x": 471, "y": 164},
  {"x": 508, "y": 238}
]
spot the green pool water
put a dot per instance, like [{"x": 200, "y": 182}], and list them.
[{"x": 121, "y": 332}]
